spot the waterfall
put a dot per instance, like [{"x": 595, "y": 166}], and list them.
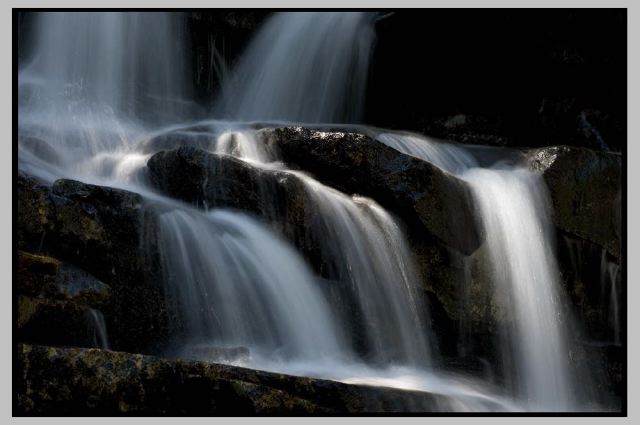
[
  {"x": 511, "y": 205},
  {"x": 94, "y": 81},
  {"x": 123, "y": 63},
  {"x": 302, "y": 67},
  {"x": 100, "y": 87},
  {"x": 238, "y": 284},
  {"x": 99, "y": 327},
  {"x": 511, "y": 202},
  {"x": 367, "y": 250}
]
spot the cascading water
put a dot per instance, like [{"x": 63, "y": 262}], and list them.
[
  {"x": 97, "y": 323},
  {"x": 239, "y": 284},
  {"x": 367, "y": 251},
  {"x": 361, "y": 239},
  {"x": 303, "y": 67},
  {"x": 511, "y": 203},
  {"x": 93, "y": 83},
  {"x": 101, "y": 86}
]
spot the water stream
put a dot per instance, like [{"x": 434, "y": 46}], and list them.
[
  {"x": 101, "y": 86},
  {"x": 511, "y": 202}
]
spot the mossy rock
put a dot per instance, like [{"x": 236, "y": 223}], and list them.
[
  {"x": 75, "y": 381},
  {"x": 46, "y": 277},
  {"x": 586, "y": 190},
  {"x": 110, "y": 234},
  {"x": 55, "y": 322}
]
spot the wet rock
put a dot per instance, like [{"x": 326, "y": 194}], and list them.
[
  {"x": 110, "y": 234},
  {"x": 605, "y": 363},
  {"x": 425, "y": 197},
  {"x": 592, "y": 279},
  {"x": 96, "y": 221},
  {"x": 55, "y": 322},
  {"x": 96, "y": 382},
  {"x": 210, "y": 180},
  {"x": 585, "y": 188},
  {"x": 465, "y": 309},
  {"x": 45, "y": 277}
]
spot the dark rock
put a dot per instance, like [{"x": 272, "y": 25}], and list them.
[
  {"x": 585, "y": 188},
  {"x": 209, "y": 180},
  {"x": 95, "y": 220},
  {"x": 592, "y": 279},
  {"x": 45, "y": 277},
  {"x": 425, "y": 197},
  {"x": 469, "y": 129},
  {"x": 465, "y": 309},
  {"x": 54, "y": 322},
  {"x": 281, "y": 199},
  {"x": 605, "y": 364},
  {"x": 110, "y": 234},
  {"x": 95, "y": 382},
  {"x": 36, "y": 214}
]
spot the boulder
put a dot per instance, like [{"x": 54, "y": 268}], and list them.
[
  {"x": 426, "y": 198},
  {"x": 282, "y": 199},
  {"x": 210, "y": 180},
  {"x": 110, "y": 234},
  {"x": 63, "y": 381},
  {"x": 45, "y": 277},
  {"x": 586, "y": 189},
  {"x": 55, "y": 322}
]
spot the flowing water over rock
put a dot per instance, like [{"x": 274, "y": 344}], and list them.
[
  {"x": 239, "y": 285},
  {"x": 96, "y": 320},
  {"x": 511, "y": 203},
  {"x": 88, "y": 111}
]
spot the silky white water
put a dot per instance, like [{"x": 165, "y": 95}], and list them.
[
  {"x": 511, "y": 203},
  {"x": 239, "y": 285},
  {"x": 367, "y": 252},
  {"x": 302, "y": 67},
  {"x": 101, "y": 87}
]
